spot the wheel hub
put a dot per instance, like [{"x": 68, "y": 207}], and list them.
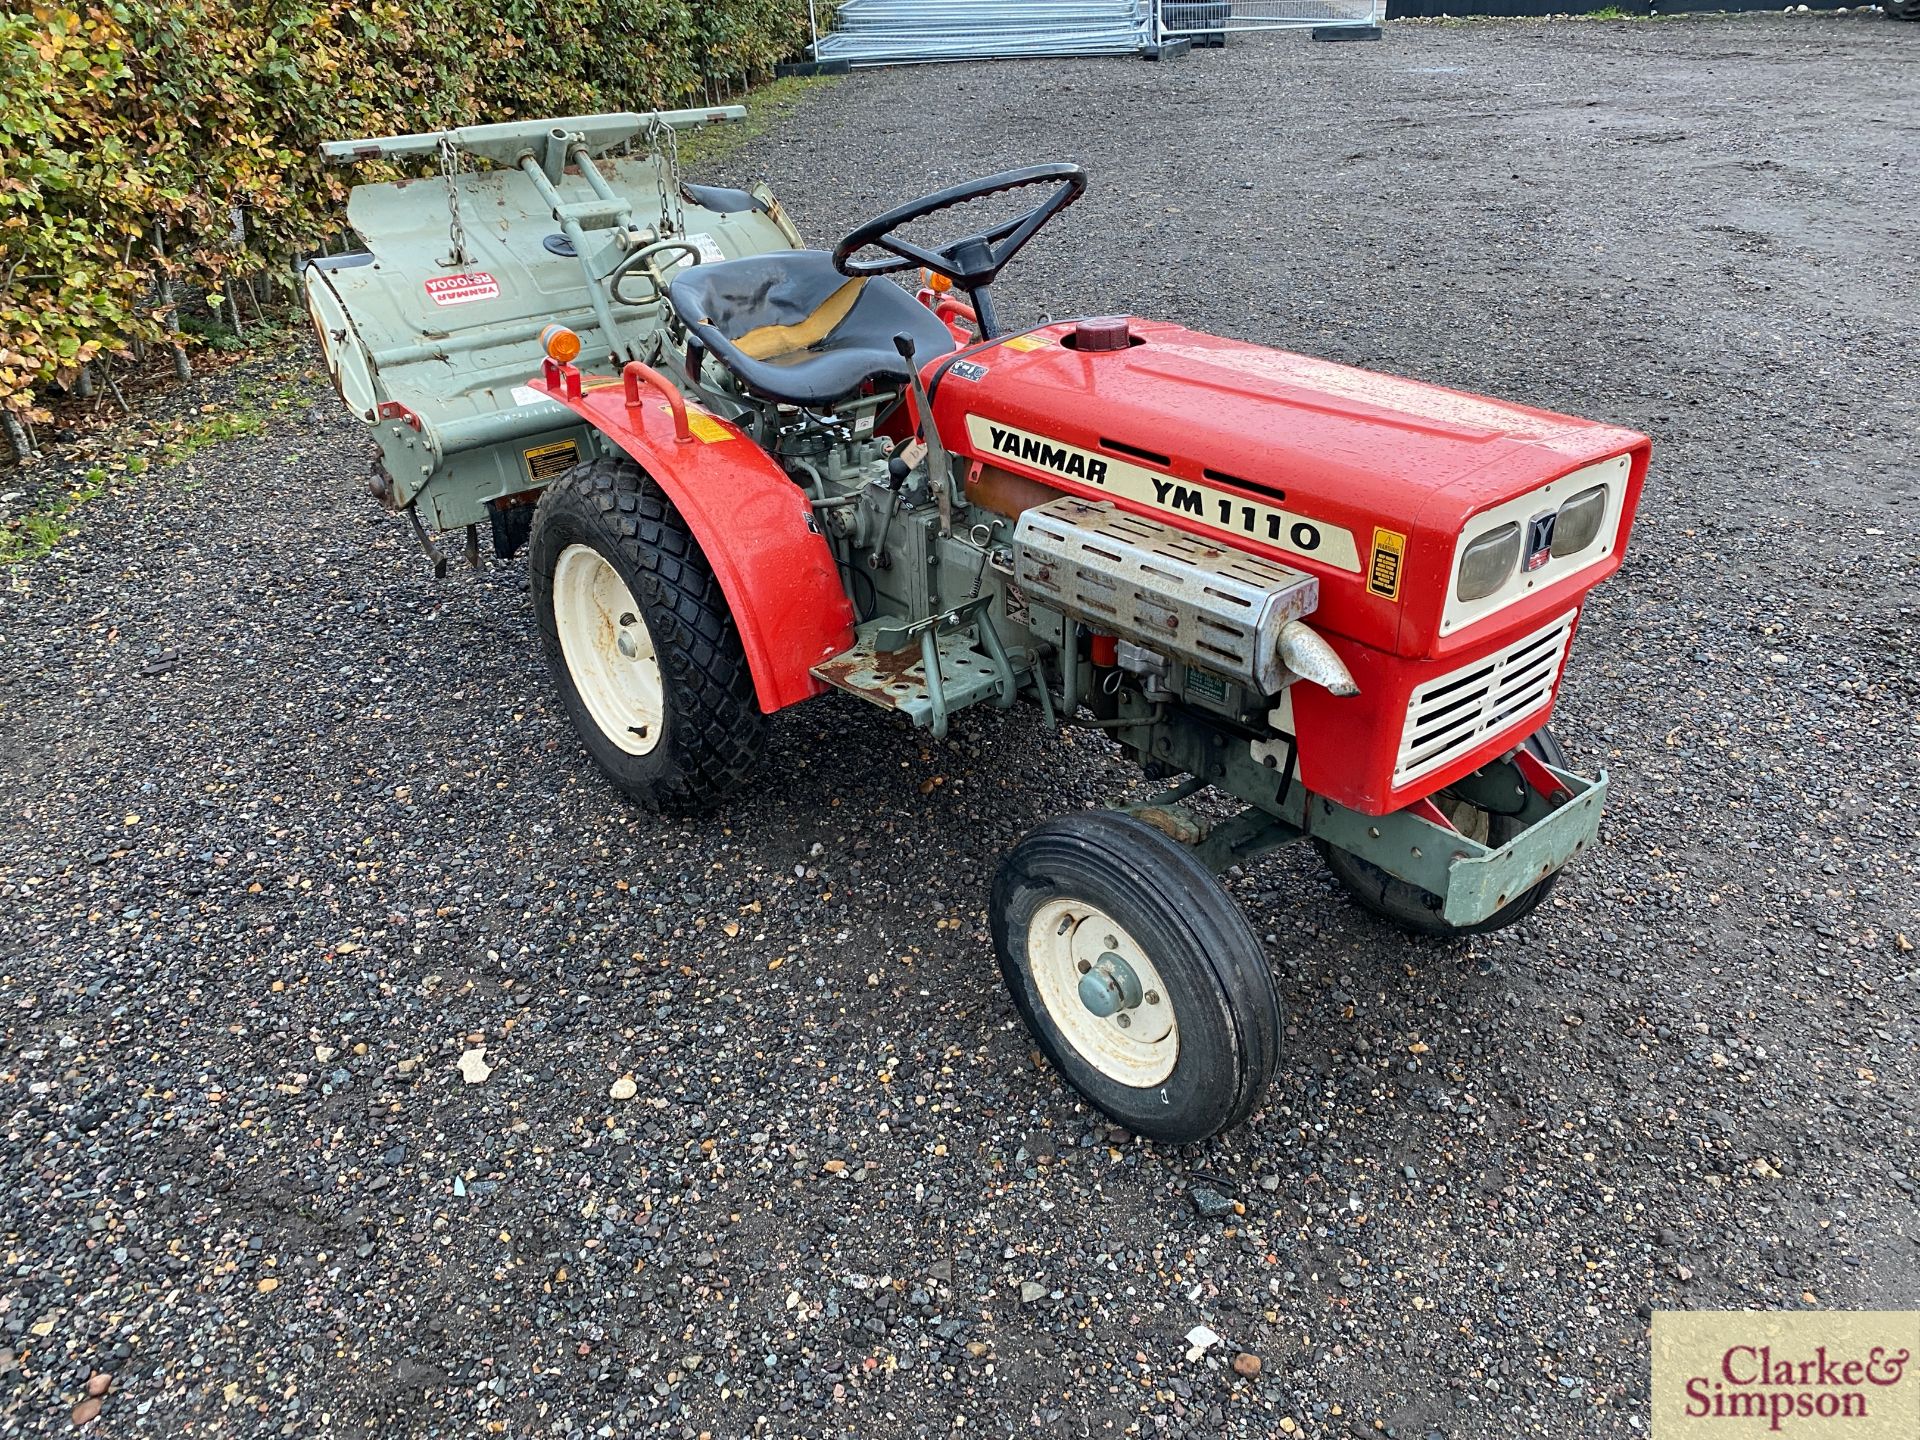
[
  {"x": 1109, "y": 985},
  {"x": 608, "y": 649},
  {"x": 1103, "y": 991}
]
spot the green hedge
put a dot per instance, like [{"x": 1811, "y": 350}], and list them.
[{"x": 130, "y": 133}]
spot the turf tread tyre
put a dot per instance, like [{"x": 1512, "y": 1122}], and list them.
[
  {"x": 1228, "y": 1007},
  {"x": 714, "y": 732},
  {"x": 1417, "y": 911}
]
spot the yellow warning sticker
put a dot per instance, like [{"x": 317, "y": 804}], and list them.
[
  {"x": 550, "y": 462},
  {"x": 1025, "y": 342},
  {"x": 705, "y": 427},
  {"x": 1383, "y": 570}
]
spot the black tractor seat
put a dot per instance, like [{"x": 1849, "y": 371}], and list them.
[{"x": 797, "y": 331}]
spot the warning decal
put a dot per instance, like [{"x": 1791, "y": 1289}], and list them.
[
  {"x": 550, "y": 462},
  {"x": 1383, "y": 570},
  {"x": 463, "y": 289},
  {"x": 705, "y": 428}
]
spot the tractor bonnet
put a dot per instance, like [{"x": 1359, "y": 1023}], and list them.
[{"x": 1290, "y": 457}]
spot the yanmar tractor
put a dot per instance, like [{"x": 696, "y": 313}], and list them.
[{"x": 747, "y": 473}]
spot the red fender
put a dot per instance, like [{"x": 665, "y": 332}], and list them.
[{"x": 754, "y": 525}]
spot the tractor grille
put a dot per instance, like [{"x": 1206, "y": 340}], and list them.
[{"x": 1450, "y": 715}]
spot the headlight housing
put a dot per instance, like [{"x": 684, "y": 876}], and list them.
[
  {"x": 1578, "y": 524},
  {"x": 1527, "y": 544},
  {"x": 1488, "y": 561}
]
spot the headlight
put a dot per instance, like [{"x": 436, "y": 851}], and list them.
[
  {"x": 1579, "y": 521},
  {"x": 1488, "y": 562}
]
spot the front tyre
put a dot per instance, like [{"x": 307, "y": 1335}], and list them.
[
  {"x": 1419, "y": 911},
  {"x": 1137, "y": 974},
  {"x": 640, "y": 642}
]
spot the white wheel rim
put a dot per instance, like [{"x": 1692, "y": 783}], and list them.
[
  {"x": 608, "y": 649},
  {"x": 1139, "y": 1043}
]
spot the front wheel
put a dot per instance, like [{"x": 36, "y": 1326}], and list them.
[
  {"x": 1137, "y": 974},
  {"x": 640, "y": 642},
  {"x": 1408, "y": 906}
]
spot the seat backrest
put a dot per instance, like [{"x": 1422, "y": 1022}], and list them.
[{"x": 762, "y": 292}]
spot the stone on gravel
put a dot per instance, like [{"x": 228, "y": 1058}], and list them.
[{"x": 1211, "y": 1203}]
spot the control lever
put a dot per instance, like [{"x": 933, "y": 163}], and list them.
[
  {"x": 939, "y": 465},
  {"x": 897, "y": 471}
]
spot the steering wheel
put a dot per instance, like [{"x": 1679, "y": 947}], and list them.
[
  {"x": 644, "y": 264},
  {"x": 973, "y": 260}
]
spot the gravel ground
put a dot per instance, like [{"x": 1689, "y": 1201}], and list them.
[{"x": 290, "y": 830}]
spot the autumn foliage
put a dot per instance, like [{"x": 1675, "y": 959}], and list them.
[{"x": 177, "y": 138}]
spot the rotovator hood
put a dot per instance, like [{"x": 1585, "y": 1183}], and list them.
[{"x": 1313, "y": 463}]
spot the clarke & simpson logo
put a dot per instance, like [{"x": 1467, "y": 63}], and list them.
[{"x": 1813, "y": 1375}]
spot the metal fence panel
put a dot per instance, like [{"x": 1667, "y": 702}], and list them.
[
  {"x": 1211, "y": 21},
  {"x": 892, "y": 32},
  {"x": 895, "y": 32}
]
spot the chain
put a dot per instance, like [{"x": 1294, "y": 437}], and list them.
[
  {"x": 451, "y": 165},
  {"x": 664, "y": 146}
]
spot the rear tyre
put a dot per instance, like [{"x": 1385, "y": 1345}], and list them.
[
  {"x": 1418, "y": 911},
  {"x": 640, "y": 641},
  {"x": 1137, "y": 974}
]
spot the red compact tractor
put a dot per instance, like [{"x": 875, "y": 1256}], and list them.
[{"x": 748, "y": 473}]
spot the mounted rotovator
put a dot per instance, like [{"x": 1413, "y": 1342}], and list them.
[{"x": 432, "y": 330}]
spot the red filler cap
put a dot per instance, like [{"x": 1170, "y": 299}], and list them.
[{"x": 1103, "y": 332}]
